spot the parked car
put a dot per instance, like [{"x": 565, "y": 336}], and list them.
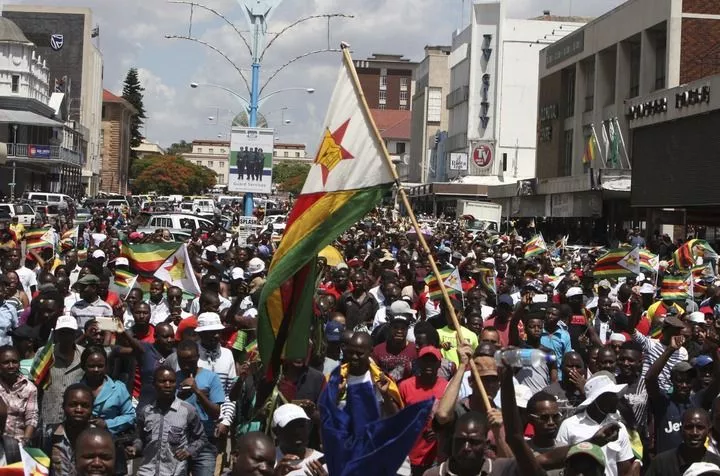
[
  {"x": 59, "y": 199},
  {"x": 174, "y": 221},
  {"x": 24, "y": 212},
  {"x": 82, "y": 216}
]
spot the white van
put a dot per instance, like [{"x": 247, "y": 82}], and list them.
[
  {"x": 24, "y": 212},
  {"x": 178, "y": 221},
  {"x": 204, "y": 206},
  {"x": 59, "y": 199}
]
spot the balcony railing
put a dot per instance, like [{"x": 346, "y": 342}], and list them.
[{"x": 46, "y": 152}]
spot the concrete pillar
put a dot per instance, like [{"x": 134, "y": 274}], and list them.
[
  {"x": 578, "y": 146},
  {"x": 648, "y": 62},
  {"x": 673, "y": 42}
]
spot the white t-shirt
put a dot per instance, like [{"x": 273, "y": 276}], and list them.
[
  {"x": 28, "y": 278},
  {"x": 581, "y": 427},
  {"x": 302, "y": 464}
]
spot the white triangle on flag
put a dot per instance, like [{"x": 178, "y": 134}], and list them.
[
  {"x": 177, "y": 271},
  {"x": 631, "y": 261},
  {"x": 453, "y": 281},
  {"x": 350, "y": 155}
]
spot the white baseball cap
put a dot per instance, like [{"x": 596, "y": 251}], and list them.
[
  {"x": 209, "y": 321},
  {"x": 237, "y": 273},
  {"x": 647, "y": 288},
  {"x": 98, "y": 254},
  {"x": 599, "y": 383},
  {"x": 66, "y": 322},
  {"x": 401, "y": 310},
  {"x": 122, "y": 261},
  {"x": 573, "y": 291},
  {"x": 287, "y": 413},
  {"x": 211, "y": 249},
  {"x": 617, "y": 337},
  {"x": 697, "y": 317},
  {"x": 488, "y": 260},
  {"x": 702, "y": 469}
]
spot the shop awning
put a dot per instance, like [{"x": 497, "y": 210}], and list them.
[{"x": 10, "y": 116}]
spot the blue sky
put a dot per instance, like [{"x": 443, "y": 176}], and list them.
[{"x": 132, "y": 34}]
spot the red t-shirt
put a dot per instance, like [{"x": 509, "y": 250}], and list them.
[
  {"x": 425, "y": 449},
  {"x": 398, "y": 366},
  {"x": 502, "y": 328}
]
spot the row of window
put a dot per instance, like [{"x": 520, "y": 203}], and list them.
[
  {"x": 297, "y": 154},
  {"x": 404, "y": 83},
  {"x": 210, "y": 164},
  {"x": 210, "y": 150}
]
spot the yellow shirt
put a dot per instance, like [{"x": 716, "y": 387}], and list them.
[{"x": 448, "y": 335}]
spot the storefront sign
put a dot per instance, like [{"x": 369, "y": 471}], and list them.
[
  {"x": 692, "y": 97},
  {"x": 483, "y": 155},
  {"x": 38, "y": 151},
  {"x": 564, "y": 49},
  {"x": 648, "y": 108},
  {"x": 548, "y": 113},
  {"x": 458, "y": 161}
]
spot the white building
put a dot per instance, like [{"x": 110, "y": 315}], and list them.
[
  {"x": 147, "y": 149},
  {"x": 296, "y": 152},
  {"x": 42, "y": 152},
  {"x": 212, "y": 154},
  {"x": 493, "y": 92}
]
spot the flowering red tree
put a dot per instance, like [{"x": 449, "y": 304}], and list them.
[{"x": 174, "y": 175}]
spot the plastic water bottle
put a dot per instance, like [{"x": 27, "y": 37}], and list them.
[{"x": 523, "y": 357}]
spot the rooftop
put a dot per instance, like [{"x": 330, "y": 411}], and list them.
[
  {"x": 226, "y": 143},
  {"x": 280, "y": 145},
  {"x": 562, "y": 18},
  {"x": 11, "y": 33},
  {"x": 393, "y": 124},
  {"x": 112, "y": 98}
]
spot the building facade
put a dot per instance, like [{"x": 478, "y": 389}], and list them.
[
  {"x": 117, "y": 116},
  {"x": 387, "y": 81},
  {"x": 212, "y": 154},
  {"x": 394, "y": 128},
  {"x": 148, "y": 149},
  {"x": 586, "y": 81},
  {"x": 429, "y": 114},
  {"x": 294, "y": 152},
  {"x": 63, "y": 35},
  {"x": 43, "y": 153}
]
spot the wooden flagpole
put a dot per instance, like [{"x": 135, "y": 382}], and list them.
[{"x": 386, "y": 155}]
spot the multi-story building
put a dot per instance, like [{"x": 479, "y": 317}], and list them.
[
  {"x": 394, "y": 128},
  {"x": 586, "y": 81},
  {"x": 294, "y": 152},
  {"x": 429, "y": 114},
  {"x": 148, "y": 149},
  {"x": 117, "y": 116},
  {"x": 43, "y": 153},
  {"x": 387, "y": 81},
  {"x": 212, "y": 154},
  {"x": 63, "y": 36}
]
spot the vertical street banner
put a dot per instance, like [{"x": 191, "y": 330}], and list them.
[{"x": 251, "y": 156}]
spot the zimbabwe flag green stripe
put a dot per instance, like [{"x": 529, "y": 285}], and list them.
[{"x": 280, "y": 290}]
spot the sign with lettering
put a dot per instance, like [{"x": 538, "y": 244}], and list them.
[
  {"x": 692, "y": 97},
  {"x": 483, "y": 155},
  {"x": 565, "y": 48},
  {"x": 458, "y": 161}
]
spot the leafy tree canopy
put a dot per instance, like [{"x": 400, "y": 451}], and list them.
[
  {"x": 172, "y": 175},
  {"x": 290, "y": 176}
]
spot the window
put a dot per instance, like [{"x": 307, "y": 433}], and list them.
[
  {"x": 15, "y": 83},
  {"x": 187, "y": 224},
  {"x": 286, "y": 154},
  {"x": 211, "y": 164},
  {"x": 297, "y": 154},
  {"x": 403, "y": 97},
  {"x": 199, "y": 162},
  {"x": 660, "y": 63},
  {"x": 222, "y": 151},
  {"x": 403, "y": 106},
  {"x": 211, "y": 151},
  {"x": 381, "y": 107},
  {"x": 383, "y": 97},
  {"x": 400, "y": 148},
  {"x": 383, "y": 83},
  {"x": 404, "y": 84},
  {"x": 221, "y": 178},
  {"x": 589, "y": 70},
  {"x": 199, "y": 150},
  {"x": 567, "y": 155},
  {"x": 434, "y": 107}
]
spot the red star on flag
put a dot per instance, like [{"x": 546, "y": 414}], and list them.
[{"x": 331, "y": 151}]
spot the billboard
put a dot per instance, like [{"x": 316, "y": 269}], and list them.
[
  {"x": 458, "y": 162},
  {"x": 38, "y": 151},
  {"x": 251, "y": 155}
]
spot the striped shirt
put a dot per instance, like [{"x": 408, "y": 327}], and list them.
[
  {"x": 85, "y": 311},
  {"x": 653, "y": 349},
  {"x": 637, "y": 397},
  {"x": 62, "y": 375},
  {"x": 161, "y": 434}
]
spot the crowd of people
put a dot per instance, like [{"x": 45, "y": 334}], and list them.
[{"x": 574, "y": 374}]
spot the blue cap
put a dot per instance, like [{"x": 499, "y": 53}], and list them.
[
  {"x": 263, "y": 251},
  {"x": 333, "y": 331},
  {"x": 702, "y": 361},
  {"x": 506, "y": 299}
]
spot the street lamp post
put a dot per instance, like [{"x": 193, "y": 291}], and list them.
[{"x": 257, "y": 13}]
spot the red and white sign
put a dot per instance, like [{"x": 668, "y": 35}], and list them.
[{"x": 483, "y": 155}]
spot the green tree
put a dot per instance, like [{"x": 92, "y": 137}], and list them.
[
  {"x": 290, "y": 176},
  {"x": 177, "y": 148},
  {"x": 172, "y": 175},
  {"x": 133, "y": 93}
]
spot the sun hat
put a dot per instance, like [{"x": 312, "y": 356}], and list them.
[
  {"x": 601, "y": 382},
  {"x": 209, "y": 321}
]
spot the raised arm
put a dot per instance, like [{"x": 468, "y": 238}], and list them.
[{"x": 446, "y": 407}]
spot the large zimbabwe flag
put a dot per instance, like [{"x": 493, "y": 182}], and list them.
[
  {"x": 145, "y": 259},
  {"x": 349, "y": 177}
]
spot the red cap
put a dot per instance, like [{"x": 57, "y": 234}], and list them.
[
  {"x": 430, "y": 350},
  {"x": 706, "y": 310}
]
